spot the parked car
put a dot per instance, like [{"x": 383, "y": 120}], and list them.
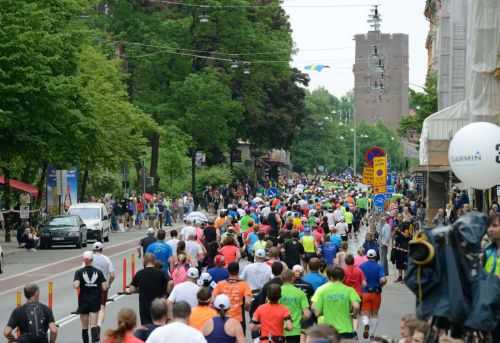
[
  {"x": 95, "y": 216},
  {"x": 1, "y": 260},
  {"x": 63, "y": 230}
]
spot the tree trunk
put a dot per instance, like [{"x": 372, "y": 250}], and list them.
[
  {"x": 8, "y": 223},
  {"x": 85, "y": 180},
  {"x": 138, "y": 171},
  {"x": 41, "y": 183},
  {"x": 155, "y": 151},
  {"x": 193, "y": 177}
]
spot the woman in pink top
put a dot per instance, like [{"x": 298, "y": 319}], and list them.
[
  {"x": 230, "y": 250},
  {"x": 127, "y": 320},
  {"x": 360, "y": 257}
]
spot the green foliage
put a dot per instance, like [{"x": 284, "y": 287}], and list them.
[
  {"x": 104, "y": 181},
  {"x": 174, "y": 163},
  {"x": 423, "y": 103},
  {"x": 213, "y": 176}
]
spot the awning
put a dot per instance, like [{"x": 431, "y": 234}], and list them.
[{"x": 21, "y": 186}]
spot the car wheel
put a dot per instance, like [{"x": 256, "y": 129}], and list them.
[
  {"x": 84, "y": 244},
  {"x": 106, "y": 239},
  {"x": 43, "y": 245},
  {"x": 99, "y": 236}
]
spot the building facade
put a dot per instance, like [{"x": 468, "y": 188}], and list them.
[{"x": 381, "y": 75}]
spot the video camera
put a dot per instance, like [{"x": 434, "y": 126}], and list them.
[{"x": 446, "y": 274}]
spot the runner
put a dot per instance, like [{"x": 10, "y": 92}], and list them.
[
  {"x": 151, "y": 283},
  {"x": 298, "y": 306},
  {"x": 127, "y": 320},
  {"x": 257, "y": 273},
  {"x": 222, "y": 329},
  {"x": 203, "y": 312},
  {"x": 337, "y": 303},
  {"x": 159, "y": 316},
  {"x": 145, "y": 242},
  {"x": 186, "y": 291},
  {"x": 104, "y": 264},
  {"x": 371, "y": 293},
  {"x": 91, "y": 283},
  {"x": 161, "y": 250},
  {"x": 33, "y": 319},
  {"x": 314, "y": 277}
]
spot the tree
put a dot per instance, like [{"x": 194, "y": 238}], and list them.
[
  {"x": 207, "y": 112},
  {"x": 423, "y": 103}
]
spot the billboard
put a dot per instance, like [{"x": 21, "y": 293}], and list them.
[{"x": 62, "y": 189}]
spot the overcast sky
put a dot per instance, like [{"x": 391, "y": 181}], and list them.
[{"x": 325, "y": 35}]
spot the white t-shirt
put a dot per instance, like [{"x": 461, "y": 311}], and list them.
[
  {"x": 104, "y": 264},
  {"x": 188, "y": 231},
  {"x": 173, "y": 244},
  {"x": 176, "y": 332},
  {"x": 341, "y": 228},
  {"x": 193, "y": 249},
  {"x": 338, "y": 214},
  {"x": 185, "y": 291},
  {"x": 257, "y": 274},
  {"x": 331, "y": 218}
]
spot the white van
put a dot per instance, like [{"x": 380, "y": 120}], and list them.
[{"x": 96, "y": 218}]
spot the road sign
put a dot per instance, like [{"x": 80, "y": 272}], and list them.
[
  {"x": 368, "y": 175},
  {"x": 379, "y": 189},
  {"x": 272, "y": 192},
  {"x": 378, "y": 202},
  {"x": 390, "y": 189},
  {"x": 379, "y": 171}
]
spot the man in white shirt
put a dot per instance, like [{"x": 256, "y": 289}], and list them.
[
  {"x": 178, "y": 329},
  {"x": 342, "y": 227},
  {"x": 338, "y": 214},
  {"x": 187, "y": 230},
  {"x": 104, "y": 264},
  {"x": 194, "y": 250},
  {"x": 330, "y": 217},
  {"x": 257, "y": 273},
  {"x": 187, "y": 290},
  {"x": 173, "y": 241}
]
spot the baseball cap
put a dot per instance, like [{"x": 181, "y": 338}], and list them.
[
  {"x": 151, "y": 231},
  {"x": 88, "y": 255},
  {"x": 193, "y": 273},
  {"x": 222, "y": 302},
  {"x": 97, "y": 246},
  {"x": 297, "y": 268},
  {"x": 204, "y": 279},
  {"x": 260, "y": 253},
  {"x": 371, "y": 253},
  {"x": 219, "y": 260}
]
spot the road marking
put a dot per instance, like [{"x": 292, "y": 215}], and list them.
[
  {"x": 72, "y": 317},
  {"x": 60, "y": 261},
  {"x": 65, "y": 272}
]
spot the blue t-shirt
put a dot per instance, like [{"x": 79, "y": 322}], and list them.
[
  {"x": 315, "y": 279},
  {"x": 373, "y": 273},
  {"x": 329, "y": 251},
  {"x": 336, "y": 239},
  {"x": 218, "y": 274},
  {"x": 252, "y": 239},
  {"x": 162, "y": 252}
]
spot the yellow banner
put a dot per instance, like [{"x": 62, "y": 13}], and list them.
[
  {"x": 379, "y": 171},
  {"x": 367, "y": 175},
  {"x": 379, "y": 189}
]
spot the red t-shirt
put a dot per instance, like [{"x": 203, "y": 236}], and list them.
[
  {"x": 229, "y": 252},
  {"x": 353, "y": 278},
  {"x": 271, "y": 318}
]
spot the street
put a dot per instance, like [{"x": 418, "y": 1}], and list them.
[{"x": 58, "y": 265}]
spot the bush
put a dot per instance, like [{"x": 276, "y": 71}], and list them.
[{"x": 213, "y": 176}]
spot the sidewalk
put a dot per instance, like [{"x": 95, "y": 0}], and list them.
[{"x": 9, "y": 248}]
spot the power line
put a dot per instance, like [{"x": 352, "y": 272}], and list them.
[{"x": 186, "y": 4}]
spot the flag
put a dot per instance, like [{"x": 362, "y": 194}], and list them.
[{"x": 316, "y": 67}]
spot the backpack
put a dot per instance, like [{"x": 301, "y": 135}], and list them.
[
  {"x": 179, "y": 273},
  {"x": 36, "y": 323}
]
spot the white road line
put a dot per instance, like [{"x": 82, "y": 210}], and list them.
[
  {"x": 53, "y": 276},
  {"x": 60, "y": 261},
  {"x": 72, "y": 317}
]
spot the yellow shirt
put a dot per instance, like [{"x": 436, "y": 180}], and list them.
[{"x": 308, "y": 243}]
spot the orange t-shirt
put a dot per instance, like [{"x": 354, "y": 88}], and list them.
[
  {"x": 271, "y": 318},
  {"x": 236, "y": 290},
  {"x": 219, "y": 222},
  {"x": 230, "y": 252},
  {"x": 199, "y": 315}
]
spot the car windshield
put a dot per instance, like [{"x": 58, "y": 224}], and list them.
[
  {"x": 87, "y": 213},
  {"x": 62, "y": 221}
]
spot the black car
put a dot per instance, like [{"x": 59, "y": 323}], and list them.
[{"x": 63, "y": 230}]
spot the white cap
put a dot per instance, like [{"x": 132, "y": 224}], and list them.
[
  {"x": 151, "y": 231},
  {"x": 204, "y": 278},
  {"x": 222, "y": 302},
  {"x": 193, "y": 273},
  {"x": 260, "y": 253},
  {"x": 371, "y": 253},
  {"x": 88, "y": 255},
  {"x": 97, "y": 246}
]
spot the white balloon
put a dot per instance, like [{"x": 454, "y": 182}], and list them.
[{"x": 474, "y": 155}]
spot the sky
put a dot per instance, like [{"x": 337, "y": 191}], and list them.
[{"x": 325, "y": 35}]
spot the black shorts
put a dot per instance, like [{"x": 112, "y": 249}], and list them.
[
  {"x": 349, "y": 227},
  {"x": 308, "y": 256},
  {"x": 88, "y": 307}
]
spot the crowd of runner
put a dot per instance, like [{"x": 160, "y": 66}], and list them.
[{"x": 307, "y": 264}]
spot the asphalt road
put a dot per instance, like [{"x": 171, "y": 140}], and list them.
[{"x": 58, "y": 266}]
